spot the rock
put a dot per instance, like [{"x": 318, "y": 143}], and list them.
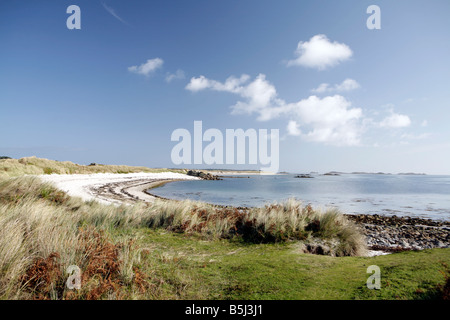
[
  {"x": 203, "y": 175},
  {"x": 438, "y": 243}
]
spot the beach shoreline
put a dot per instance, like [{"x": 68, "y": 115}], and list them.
[
  {"x": 383, "y": 233},
  {"x": 114, "y": 188}
]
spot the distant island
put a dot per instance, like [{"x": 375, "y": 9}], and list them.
[
  {"x": 333, "y": 173},
  {"x": 385, "y": 173},
  {"x": 338, "y": 173},
  {"x": 412, "y": 174}
]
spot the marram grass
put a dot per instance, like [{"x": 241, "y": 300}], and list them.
[{"x": 37, "y": 166}]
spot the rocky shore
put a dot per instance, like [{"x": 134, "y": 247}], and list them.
[{"x": 392, "y": 233}]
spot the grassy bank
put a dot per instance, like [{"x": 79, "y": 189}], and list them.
[
  {"x": 191, "y": 268},
  {"x": 189, "y": 250},
  {"x": 37, "y": 166}
]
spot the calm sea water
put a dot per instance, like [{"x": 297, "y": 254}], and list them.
[{"x": 401, "y": 195}]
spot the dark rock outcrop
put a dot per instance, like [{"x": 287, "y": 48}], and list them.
[
  {"x": 203, "y": 175},
  {"x": 306, "y": 176}
]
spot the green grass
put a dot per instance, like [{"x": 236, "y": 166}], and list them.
[{"x": 192, "y": 268}]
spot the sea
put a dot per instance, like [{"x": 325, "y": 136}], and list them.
[{"x": 424, "y": 196}]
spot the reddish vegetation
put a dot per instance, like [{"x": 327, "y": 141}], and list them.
[
  {"x": 141, "y": 280},
  {"x": 101, "y": 272},
  {"x": 102, "y": 264},
  {"x": 43, "y": 276}
]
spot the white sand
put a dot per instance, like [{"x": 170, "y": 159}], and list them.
[{"x": 83, "y": 185}]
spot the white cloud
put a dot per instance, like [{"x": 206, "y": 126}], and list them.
[
  {"x": 259, "y": 94},
  {"x": 346, "y": 85},
  {"x": 261, "y": 98},
  {"x": 329, "y": 120},
  {"x": 396, "y": 120},
  {"x": 232, "y": 84},
  {"x": 320, "y": 53},
  {"x": 293, "y": 128},
  {"x": 179, "y": 74},
  {"x": 148, "y": 67},
  {"x": 197, "y": 84},
  {"x": 424, "y": 123},
  {"x": 323, "y": 87}
]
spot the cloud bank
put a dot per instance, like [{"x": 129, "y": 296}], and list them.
[{"x": 329, "y": 120}]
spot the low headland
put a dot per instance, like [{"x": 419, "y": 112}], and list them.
[{"x": 130, "y": 244}]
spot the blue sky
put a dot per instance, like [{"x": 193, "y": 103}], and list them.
[{"x": 344, "y": 97}]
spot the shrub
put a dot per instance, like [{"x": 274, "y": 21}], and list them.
[{"x": 48, "y": 170}]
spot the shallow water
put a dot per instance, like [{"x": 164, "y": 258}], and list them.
[{"x": 401, "y": 195}]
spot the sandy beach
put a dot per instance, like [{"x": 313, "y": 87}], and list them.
[{"x": 112, "y": 188}]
